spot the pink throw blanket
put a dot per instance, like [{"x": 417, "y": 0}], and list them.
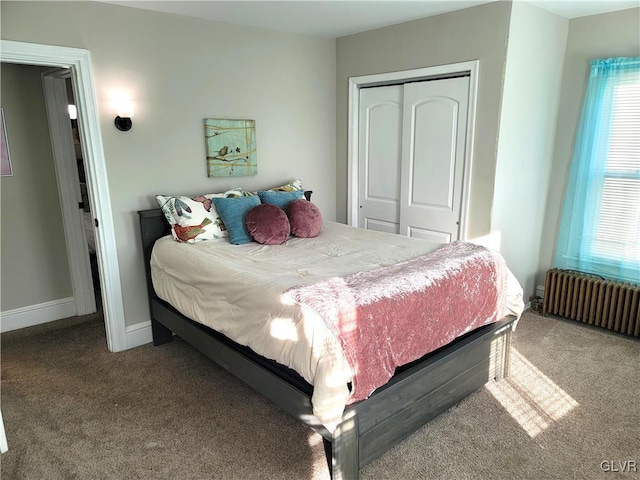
[{"x": 390, "y": 316}]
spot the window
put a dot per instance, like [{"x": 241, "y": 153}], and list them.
[{"x": 600, "y": 228}]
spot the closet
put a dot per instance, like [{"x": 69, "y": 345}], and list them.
[{"x": 412, "y": 139}]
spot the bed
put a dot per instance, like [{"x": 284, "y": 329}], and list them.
[{"x": 364, "y": 429}]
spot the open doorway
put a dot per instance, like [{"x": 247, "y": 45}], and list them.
[
  {"x": 84, "y": 204},
  {"x": 79, "y": 63}
]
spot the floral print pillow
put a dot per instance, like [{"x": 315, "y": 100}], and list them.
[
  {"x": 194, "y": 219},
  {"x": 289, "y": 187}
]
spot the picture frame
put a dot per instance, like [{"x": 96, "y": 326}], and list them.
[
  {"x": 6, "y": 170},
  {"x": 230, "y": 147}
]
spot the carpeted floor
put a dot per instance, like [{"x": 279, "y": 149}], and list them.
[{"x": 72, "y": 410}]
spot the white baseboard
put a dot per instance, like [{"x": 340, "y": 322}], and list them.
[
  {"x": 37, "y": 314},
  {"x": 138, "y": 334}
]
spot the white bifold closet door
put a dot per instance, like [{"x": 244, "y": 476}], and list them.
[{"x": 412, "y": 140}]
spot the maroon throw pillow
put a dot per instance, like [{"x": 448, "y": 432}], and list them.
[
  {"x": 268, "y": 224},
  {"x": 305, "y": 218}
]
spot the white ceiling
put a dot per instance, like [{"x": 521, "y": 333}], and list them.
[{"x": 337, "y": 18}]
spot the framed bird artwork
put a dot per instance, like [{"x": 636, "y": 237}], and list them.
[{"x": 231, "y": 147}]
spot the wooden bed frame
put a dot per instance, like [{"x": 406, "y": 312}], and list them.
[{"x": 415, "y": 395}]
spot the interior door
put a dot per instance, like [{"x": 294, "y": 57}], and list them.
[
  {"x": 379, "y": 158},
  {"x": 433, "y": 154},
  {"x": 64, "y": 155}
]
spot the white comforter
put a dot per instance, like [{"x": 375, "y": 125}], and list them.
[{"x": 237, "y": 290}]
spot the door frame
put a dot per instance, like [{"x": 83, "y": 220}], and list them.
[
  {"x": 64, "y": 157},
  {"x": 428, "y": 73},
  {"x": 79, "y": 61}
]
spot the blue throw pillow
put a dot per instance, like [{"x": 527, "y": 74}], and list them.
[
  {"x": 233, "y": 211},
  {"x": 280, "y": 199}
]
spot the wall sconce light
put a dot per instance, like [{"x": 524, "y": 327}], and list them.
[{"x": 124, "y": 111}]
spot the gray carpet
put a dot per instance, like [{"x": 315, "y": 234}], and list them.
[{"x": 72, "y": 410}]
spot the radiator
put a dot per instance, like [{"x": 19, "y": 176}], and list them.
[{"x": 592, "y": 300}]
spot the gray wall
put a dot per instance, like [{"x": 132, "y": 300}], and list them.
[
  {"x": 35, "y": 266},
  {"x": 533, "y": 78},
  {"x": 607, "y": 35},
  {"x": 474, "y": 33},
  {"x": 179, "y": 70}
]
